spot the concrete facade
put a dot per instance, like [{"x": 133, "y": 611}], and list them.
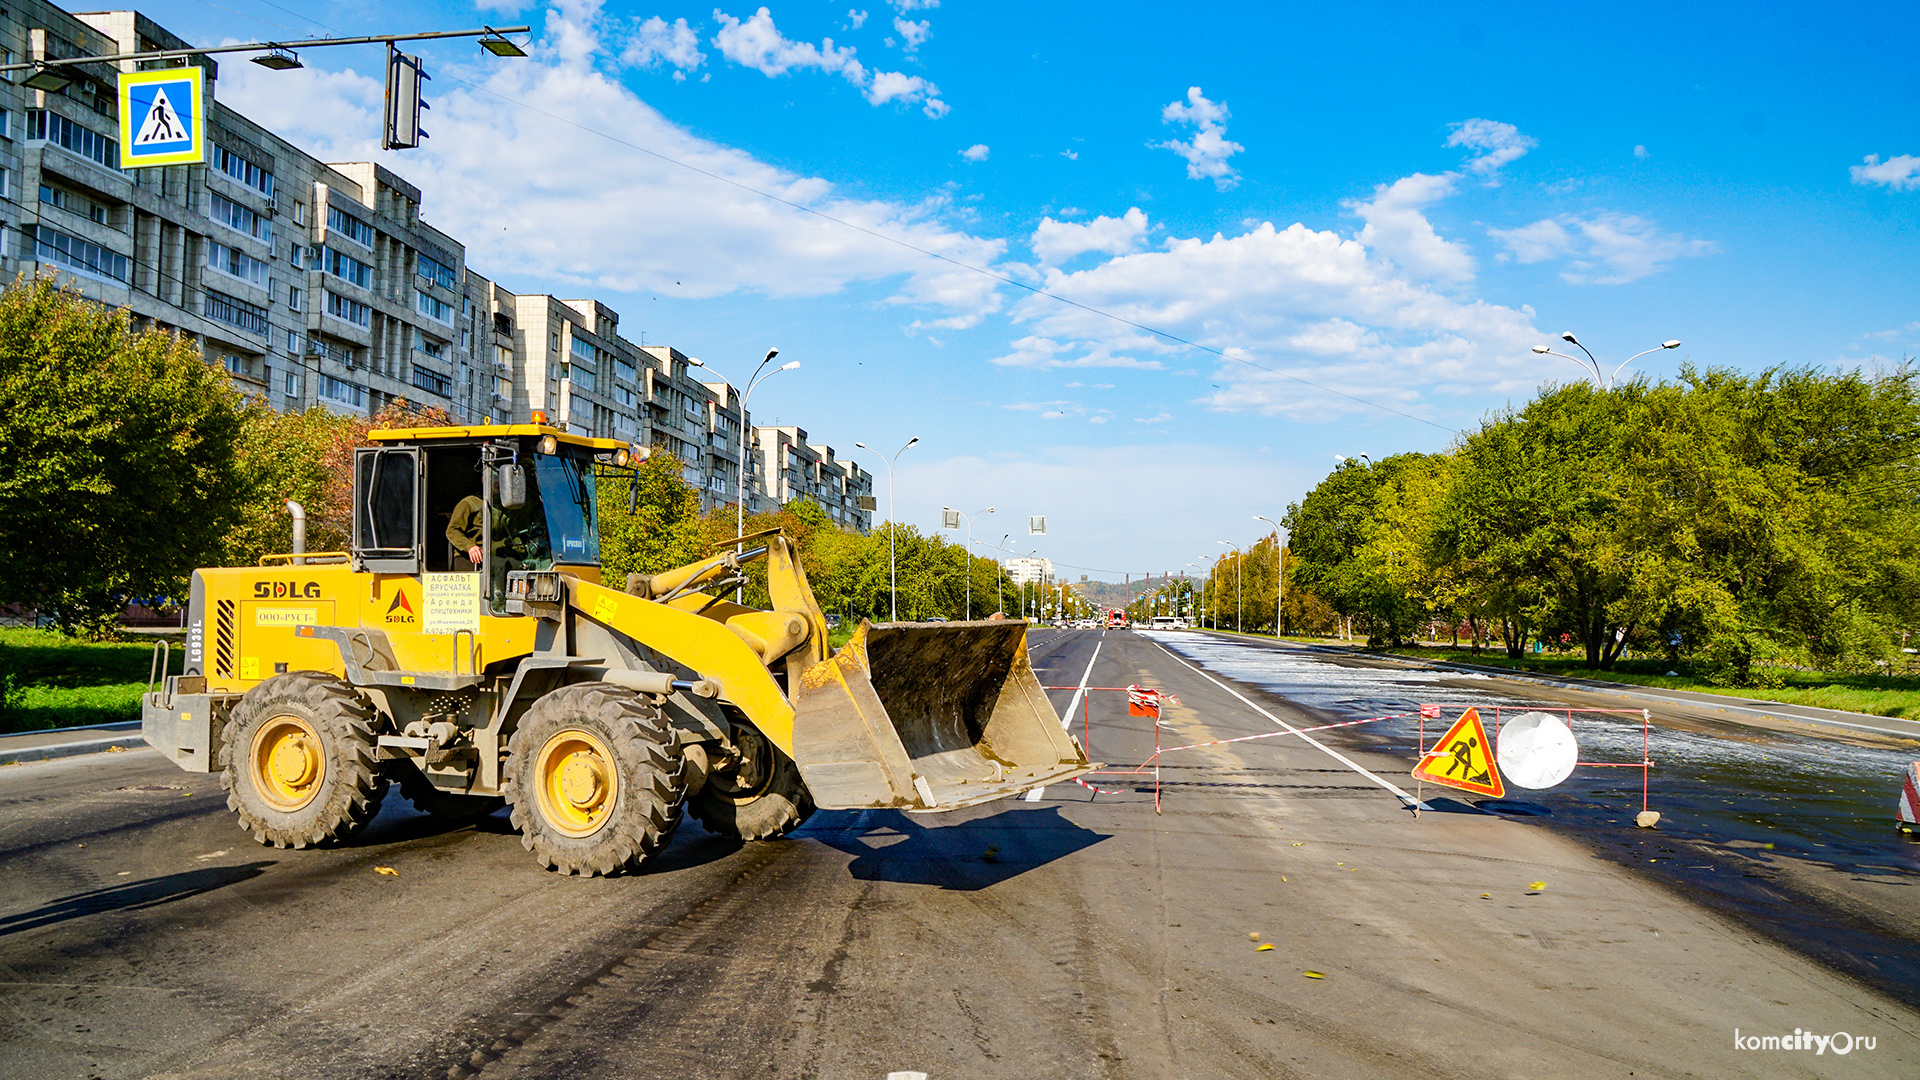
[{"x": 319, "y": 283}]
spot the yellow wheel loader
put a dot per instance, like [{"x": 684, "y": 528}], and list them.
[{"x": 599, "y": 711}]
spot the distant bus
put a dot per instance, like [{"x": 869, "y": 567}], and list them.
[
  {"x": 1117, "y": 618},
  {"x": 1168, "y": 622}
]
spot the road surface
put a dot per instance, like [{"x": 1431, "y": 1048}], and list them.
[{"x": 142, "y": 934}]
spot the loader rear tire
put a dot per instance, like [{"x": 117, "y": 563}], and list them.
[
  {"x": 762, "y": 798},
  {"x": 298, "y": 762},
  {"x": 596, "y": 780},
  {"x": 444, "y": 805}
]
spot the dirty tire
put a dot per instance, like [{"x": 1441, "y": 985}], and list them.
[
  {"x": 588, "y": 742},
  {"x": 298, "y": 761},
  {"x": 762, "y": 799},
  {"x": 445, "y": 805}
]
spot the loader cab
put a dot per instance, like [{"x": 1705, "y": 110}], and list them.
[{"x": 411, "y": 483}]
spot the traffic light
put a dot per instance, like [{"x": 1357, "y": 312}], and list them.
[{"x": 404, "y": 103}]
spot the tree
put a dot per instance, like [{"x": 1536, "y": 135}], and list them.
[
  {"x": 121, "y": 448},
  {"x": 663, "y": 530},
  {"x": 292, "y": 456}
]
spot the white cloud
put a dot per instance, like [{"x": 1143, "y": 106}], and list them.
[
  {"x": 976, "y": 152},
  {"x": 1070, "y": 155},
  {"x": 1057, "y": 241},
  {"x": 1899, "y": 173},
  {"x": 1398, "y": 228},
  {"x": 1304, "y": 302},
  {"x": 1041, "y": 352},
  {"x": 1207, "y": 152},
  {"x": 1641, "y": 152},
  {"x": 857, "y": 18},
  {"x": 1498, "y": 144},
  {"x": 656, "y": 40},
  {"x": 915, "y": 5},
  {"x": 758, "y": 44},
  {"x": 1601, "y": 249},
  {"x": 493, "y": 183},
  {"x": 912, "y": 34}
]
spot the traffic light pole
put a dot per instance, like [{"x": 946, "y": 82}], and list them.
[{"x": 492, "y": 38}]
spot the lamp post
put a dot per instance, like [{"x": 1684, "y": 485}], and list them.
[
  {"x": 1279, "y": 572},
  {"x": 1603, "y": 382},
  {"x": 893, "y": 579},
  {"x": 969, "y": 559},
  {"x": 1193, "y": 605},
  {"x": 740, "y": 488},
  {"x": 1236, "y": 585}
]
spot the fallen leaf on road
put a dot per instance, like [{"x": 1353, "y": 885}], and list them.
[
  {"x": 1537, "y": 886},
  {"x": 1313, "y": 975},
  {"x": 1486, "y": 896},
  {"x": 1303, "y": 843},
  {"x": 210, "y": 855},
  {"x": 387, "y": 870},
  {"x": 1253, "y": 935},
  {"x": 1263, "y": 948},
  {"x": 116, "y": 749}
]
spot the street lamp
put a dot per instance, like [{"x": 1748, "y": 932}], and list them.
[
  {"x": 893, "y": 579},
  {"x": 969, "y": 560},
  {"x": 1279, "y": 572},
  {"x": 1603, "y": 382},
  {"x": 740, "y": 488},
  {"x": 1236, "y": 582},
  {"x": 1192, "y": 601}
]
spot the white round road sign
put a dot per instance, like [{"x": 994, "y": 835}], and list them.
[{"x": 1536, "y": 750}]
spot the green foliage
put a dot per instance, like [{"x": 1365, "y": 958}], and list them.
[
  {"x": 661, "y": 531},
  {"x": 121, "y": 448},
  {"x": 289, "y": 456},
  {"x": 1753, "y": 524}
]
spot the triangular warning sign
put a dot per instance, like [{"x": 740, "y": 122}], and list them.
[
  {"x": 161, "y": 124},
  {"x": 1908, "y": 812},
  {"x": 1463, "y": 758}
]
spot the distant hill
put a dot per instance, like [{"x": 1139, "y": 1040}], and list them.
[{"x": 1115, "y": 593}]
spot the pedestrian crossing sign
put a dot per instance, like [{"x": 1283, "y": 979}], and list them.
[
  {"x": 163, "y": 117},
  {"x": 1463, "y": 759}
]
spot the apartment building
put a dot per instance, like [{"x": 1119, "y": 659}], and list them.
[
  {"x": 319, "y": 283},
  {"x": 1027, "y": 570},
  {"x": 794, "y": 469}
]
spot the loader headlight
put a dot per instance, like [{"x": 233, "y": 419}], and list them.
[
  {"x": 621, "y": 457},
  {"x": 548, "y": 444}
]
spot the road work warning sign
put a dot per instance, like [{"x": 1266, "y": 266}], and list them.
[
  {"x": 1463, "y": 759},
  {"x": 1908, "y": 813}
]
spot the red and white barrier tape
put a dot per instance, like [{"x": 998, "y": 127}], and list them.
[{"x": 1096, "y": 790}]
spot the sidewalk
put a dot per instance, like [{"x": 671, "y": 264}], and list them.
[
  {"x": 1757, "y": 707},
  {"x": 69, "y": 742}
]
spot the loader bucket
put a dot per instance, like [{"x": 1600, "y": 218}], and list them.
[{"x": 928, "y": 716}]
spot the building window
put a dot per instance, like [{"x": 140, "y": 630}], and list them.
[
  {"x": 582, "y": 377},
  {"x": 237, "y": 263},
  {"x": 293, "y": 384},
  {"x": 55, "y": 246},
  {"x": 6, "y": 124},
  {"x": 70, "y": 136},
  {"x": 243, "y": 170},
  {"x": 293, "y": 298},
  {"x": 237, "y": 217},
  {"x": 435, "y": 349},
  {"x": 332, "y": 350},
  {"x": 293, "y": 344},
  {"x": 432, "y": 382},
  {"x": 435, "y": 272},
  {"x": 344, "y": 392},
  {"x": 583, "y": 351},
  {"x": 625, "y": 396},
  {"x": 299, "y": 213},
  {"x": 346, "y": 268},
  {"x": 433, "y": 308},
  {"x": 350, "y": 227},
  {"x": 236, "y": 312},
  {"x": 349, "y": 310},
  {"x": 74, "y": 203}
]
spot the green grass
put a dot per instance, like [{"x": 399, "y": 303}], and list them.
[{"x": 51, "y": 681}]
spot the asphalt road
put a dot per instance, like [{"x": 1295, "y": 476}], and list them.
[{"x": 143, "y": 935}]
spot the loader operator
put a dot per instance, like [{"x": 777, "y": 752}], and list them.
[{"x": 512, "y": 542}]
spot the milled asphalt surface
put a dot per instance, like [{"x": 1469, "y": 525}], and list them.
[{"x": 143, "y": 935}]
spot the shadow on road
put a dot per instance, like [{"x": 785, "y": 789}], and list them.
[
  {"x": 132, "y": 896},
  {"x": 888, "y": 845}
]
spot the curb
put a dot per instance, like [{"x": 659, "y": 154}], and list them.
[
  {"x": 27, "y": 746},
  {"x": 1779, "y": 711}
]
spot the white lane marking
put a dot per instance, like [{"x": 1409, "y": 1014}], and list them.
[
  {"x": 1317, "y": 744},
  {"x": 1074, "y": 705},
  {"x": 1035, "y": 794}
]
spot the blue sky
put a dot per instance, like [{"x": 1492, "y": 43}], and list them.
[{"x": 1392, "y": 202}]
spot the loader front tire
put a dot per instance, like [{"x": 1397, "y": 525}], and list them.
[
  {"x": 298, "y": 761},
  {"x": 760, "y": 798},
  {"x": 596, "y": 780}
]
